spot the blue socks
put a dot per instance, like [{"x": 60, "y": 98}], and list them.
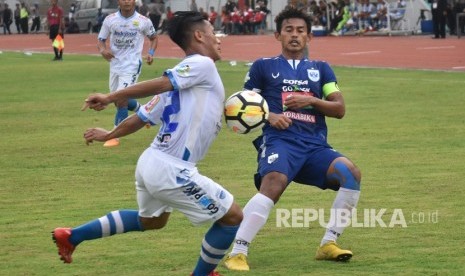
[
  {"x": 133, "y": 105},
  {"x": 214, "y": 246},
  {"x": 116, "y": 222},
  {"x": 345, "y": 177},
  {"x": 122, "y": 112}
]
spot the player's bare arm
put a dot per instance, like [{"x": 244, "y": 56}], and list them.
[
  {"x": 102, "y": 48},
  {"x": 128, "y": 126},
  {"x": 140, "y": 90},
  {"x": 332, "y": 106},
  {"x": 153, "y": 46}
]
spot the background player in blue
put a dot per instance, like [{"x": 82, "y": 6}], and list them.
[
  {"x": 293, "y": 146},
  {"x": 190, "y": 107}
]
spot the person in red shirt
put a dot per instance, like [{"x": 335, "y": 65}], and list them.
[
  {"x": 212, "y": 16},
  {"x": 55, "y": 25}
]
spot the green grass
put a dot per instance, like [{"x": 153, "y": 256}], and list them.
[{"x": 405, "y": 129}]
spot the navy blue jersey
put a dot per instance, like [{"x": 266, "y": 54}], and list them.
[{"x": 276, "y": 78}]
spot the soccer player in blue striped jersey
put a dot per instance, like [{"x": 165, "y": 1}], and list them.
[
  {"x": 189, "y": 104},
  {"x": 300, "y": 93}
]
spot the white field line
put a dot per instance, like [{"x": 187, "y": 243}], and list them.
[{"x": 360, "y": 53}]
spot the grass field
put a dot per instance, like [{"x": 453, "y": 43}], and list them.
[{"x": 405, "y": 129}]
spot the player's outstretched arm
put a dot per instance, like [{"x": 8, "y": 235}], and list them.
[
  {"x": 126, "y": 127},
  {"x": 143, "y": 89}
]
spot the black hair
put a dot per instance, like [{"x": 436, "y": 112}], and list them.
[
  {"x": 292, "y": 12},
  {"x": 181, "y": 25}
]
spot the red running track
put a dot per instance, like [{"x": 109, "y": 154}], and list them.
[{"x": 415, "y": 52}]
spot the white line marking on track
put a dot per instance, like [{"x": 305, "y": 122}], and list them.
[
  {"x": 360, "y": 53},
  {"x": 436, "y": 48}
]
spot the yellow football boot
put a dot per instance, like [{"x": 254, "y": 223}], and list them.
[
  {"x": 331, "y": 252},
  {"x": 237, "y": 262}
]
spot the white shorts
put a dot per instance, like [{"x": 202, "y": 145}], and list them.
[
  {"x": 120, "y": 81},
  {"x": 164, "y": 183}
]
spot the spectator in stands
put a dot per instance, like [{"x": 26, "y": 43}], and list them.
[
  {"x": 248, "y": 16},
  {"x": 323, "y": 13},
  {"x": 366, "y": 10},
  {"x": 193, "y": 6},
  {"x": 451, "y": 19},
  {"x": 72, "y": 10},
  {"x": 144, "y": 9},
  {"x": 229, "y": 6},
  {"x": 203, "y": 13},
  {"x": 212, "y": 17},
  {"x": 17, "y": 17},
  {"x": 226, "y": 23},
  {"x": 100, "y": 17},
  {"x": 380, "y": 17},
  {"x": 354, "y": 10},
  {"x": 7, "y": 19},
  {"x": 156, "y": 9},
  {"x": 35, "y": 19},
  {"x": 340, "y": 18},
  {"x": 259, "y": 20},
  {"x": 164, "y": 23},
  {"x": 460, "y": 8},
  {"x": 438, "y": 10},
  {"x": 24, "y": 15},
  {"x": 263, "y": 4},
  {"x": 237, "y": 21},
  {"x": 72, "y": 27},
  {"x": 397, "y": 13}
]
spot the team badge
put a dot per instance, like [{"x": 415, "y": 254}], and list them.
[
  {"x": 183, "y": 70},
  {"x": 135, "y": 23},
  {"x": 272, "y": 158},
  {"x": 313, "y": 75},
  {"x": 153, "y": 102}
]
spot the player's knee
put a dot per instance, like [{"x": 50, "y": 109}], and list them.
[
  {"x": 154, "y": 223},
  {"x": 347, "y": 174},
  {"x": 273, "y": 185},
  {"x": 233, "y": 217}
]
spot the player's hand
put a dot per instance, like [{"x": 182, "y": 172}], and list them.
[
  {"x": 95, "y": 134},
  {"x": 149, "y": 59},
  {"x": 294, "y": 101},
  {"x": 96, "y": 102},
  {"x": 279, "y": 121},
  {"x": 107, "y": 55}
]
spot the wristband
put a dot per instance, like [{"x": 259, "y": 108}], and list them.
[{"x": 152, "y": 52}]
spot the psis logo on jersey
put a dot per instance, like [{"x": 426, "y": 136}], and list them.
[{"x": 313, "y": 75}]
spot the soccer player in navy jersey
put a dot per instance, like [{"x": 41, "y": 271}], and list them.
[
  {"x": 189, "y": 104},
  {"x": 293, "y": 146}
]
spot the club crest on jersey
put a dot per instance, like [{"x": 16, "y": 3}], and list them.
[
  {"x": 183, "y": 70},
  {"x": 153, "y": 102},
  {"x": 272, "y": 158},
  {"x": 135, "y": 23},
  {"x": 313, "y": 75}
]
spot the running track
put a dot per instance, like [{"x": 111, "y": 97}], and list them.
[{"x": 415, "y": 52}]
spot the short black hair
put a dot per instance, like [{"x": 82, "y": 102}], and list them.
[
  {"x": 181, "y": 26},
  {"x": 292, "y": 12}
]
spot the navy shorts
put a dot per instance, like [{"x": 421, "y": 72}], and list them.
[{"x": 302, "y": 161}]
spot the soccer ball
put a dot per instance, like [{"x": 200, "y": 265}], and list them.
[{"x": 245, "y": 111}]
